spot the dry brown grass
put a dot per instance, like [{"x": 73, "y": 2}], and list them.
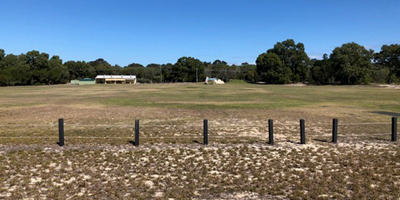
[{"x": 99, "y": 162}]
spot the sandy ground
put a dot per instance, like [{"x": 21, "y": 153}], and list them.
[{"x": 99, "y": 161}]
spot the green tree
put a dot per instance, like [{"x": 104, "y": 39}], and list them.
[
  {"x": 188, "y": 69},
  {"x": 44, "y": 70},
  {"x": 252, "y": 76},
  {"x": 167, "y": 72},
  {"x": 389, "y": 58},
  {"x": 352, "y": 63},
  {"x": 135, "y": 69},
  {"x": 57, "y": 73},
  {"x": 220, "y": 69},
  {"x": 271, "y": 69},
  {"x": 153, "y": 72},
  {"x": 13, "y": 71},
  {"x": 322, "y": 72},
  {"x": 80, "y": 69},
  {"x": 39, "y": 67},
  {"x": 2, "y": 54},
  {"x": 246, "y": 72},
  {"x": 8, "y": 61},
  {"x": 102, "y": 67},
  {"x": 294, "y": 57}
]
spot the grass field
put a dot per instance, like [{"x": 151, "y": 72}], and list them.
[{"x": 99, "y": 161}]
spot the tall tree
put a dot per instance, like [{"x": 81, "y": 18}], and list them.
[
  {"x": 2, "y": 54},
  {"x": 321, "y": 72},
  {"x": 134, "y": 69},
  {"x": 102, "y": 67},
  {"x": 220, "y": 69},
  {"x": 14, "y": 71},
  {"x": 166, "y": 72},
  {"x": 389, "y": 58},
  {"x": 58, "y": 73},
  {"x": 80, "y": 69},
  {"x": 352, "y": 63},
  {"x": 39, "y": 66},
  {"x": 271, "y": 69},
  {"x": 188, "y": 69},
  {"x": 294, "y": 57},
  {"x": 153, "y": 72}
]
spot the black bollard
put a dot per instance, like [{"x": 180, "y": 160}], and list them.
[
  {"x": 271, "y": 131},
  {"x": 302, "y": 132},
  {"x": 137, "y": 132},
  {"x": 61, "y": 132},
  {"x": 334, "y": 130},
  {"x": 205, "y": 129},
  {"x": 394, "y": 129}
]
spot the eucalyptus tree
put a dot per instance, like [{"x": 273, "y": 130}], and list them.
[
  {"x": 352, "y": 63},
  {"x": 389, "y": 58}
]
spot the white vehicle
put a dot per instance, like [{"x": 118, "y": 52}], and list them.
[{"x": 214, "y": 81}]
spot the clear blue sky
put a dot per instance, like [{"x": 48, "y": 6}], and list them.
[{"x": 161, "y": 31}]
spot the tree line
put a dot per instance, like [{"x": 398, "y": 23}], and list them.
[
  {"x": 286, "y": 62},
  {"x": 351, "y": 63},
  {"x": 36, "y": 68}
]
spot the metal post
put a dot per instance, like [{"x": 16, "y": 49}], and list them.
[
  {"x": 334, "y": 130},
  {"x": 271, "y": 131},
  {"x": 137, "y": 132},
  {"x": 302, "y": 132},
  {"x": 394, "y": 129},
  {"x": 61, "y": 132},
  {"x": 205, "y": 129}
]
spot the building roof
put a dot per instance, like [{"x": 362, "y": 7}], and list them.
[
  {"x": 87, "y": 79},
  {"x": 126, "y": 77}
]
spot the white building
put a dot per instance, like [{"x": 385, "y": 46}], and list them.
[{"x": 115, "y": 79}]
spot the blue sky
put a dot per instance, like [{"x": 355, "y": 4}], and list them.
[{"x": 161, "y": 31}]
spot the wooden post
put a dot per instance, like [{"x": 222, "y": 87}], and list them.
[
  {"x": 137, "y": 132},
  {"x": 271, "y": 131},
  {"x": 61, "y": 132},
  {"x": 334, "y": 130},
  {"x": 302, "y": 132},
  {"x": 205, "y": 131},
  {"x": 394, "y": 129}
]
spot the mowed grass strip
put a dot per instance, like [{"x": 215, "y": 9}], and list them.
[{"x": 235, "y": 95}]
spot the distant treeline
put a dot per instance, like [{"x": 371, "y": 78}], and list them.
[
  {"x": 35, "y": 68},
  {"x": 286, "y": 62}
]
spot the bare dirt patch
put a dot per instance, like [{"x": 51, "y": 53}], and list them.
[{"x": 99, "y": 161}]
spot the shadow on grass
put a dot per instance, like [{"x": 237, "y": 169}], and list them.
[
  {"x": 380, "y": 139},
  {"x": 293, "y": 142},
  {"x": 392, "y": 114},
  {"x": 132, "y": 142},
  {"x": 321, "y": 140}
]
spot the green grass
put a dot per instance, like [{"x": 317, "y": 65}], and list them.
[
  {"x": 233, "y": 95},
  {"x": 171, "y": 161},
  {"x": 241, "y": 95}
]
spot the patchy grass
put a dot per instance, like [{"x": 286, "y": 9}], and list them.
[
  {"x": 187, "y": 171},
  {"x": 235, "y": 95},
  {"x": 99, "y": 161}
]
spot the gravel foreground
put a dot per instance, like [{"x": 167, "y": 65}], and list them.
[{"x": 188, "y": 171}]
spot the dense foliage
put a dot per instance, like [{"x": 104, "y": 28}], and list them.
[
  {"x": 350, "y": 63},
  {"x": 294, "y": 57},
  {"x": 35, "y": 68},
  {"x": 286, "y": 62},
  {"x": 32, "y": 68},
  {"x": 389, "y": 58},
  {"x": 272, "y": 69}
]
